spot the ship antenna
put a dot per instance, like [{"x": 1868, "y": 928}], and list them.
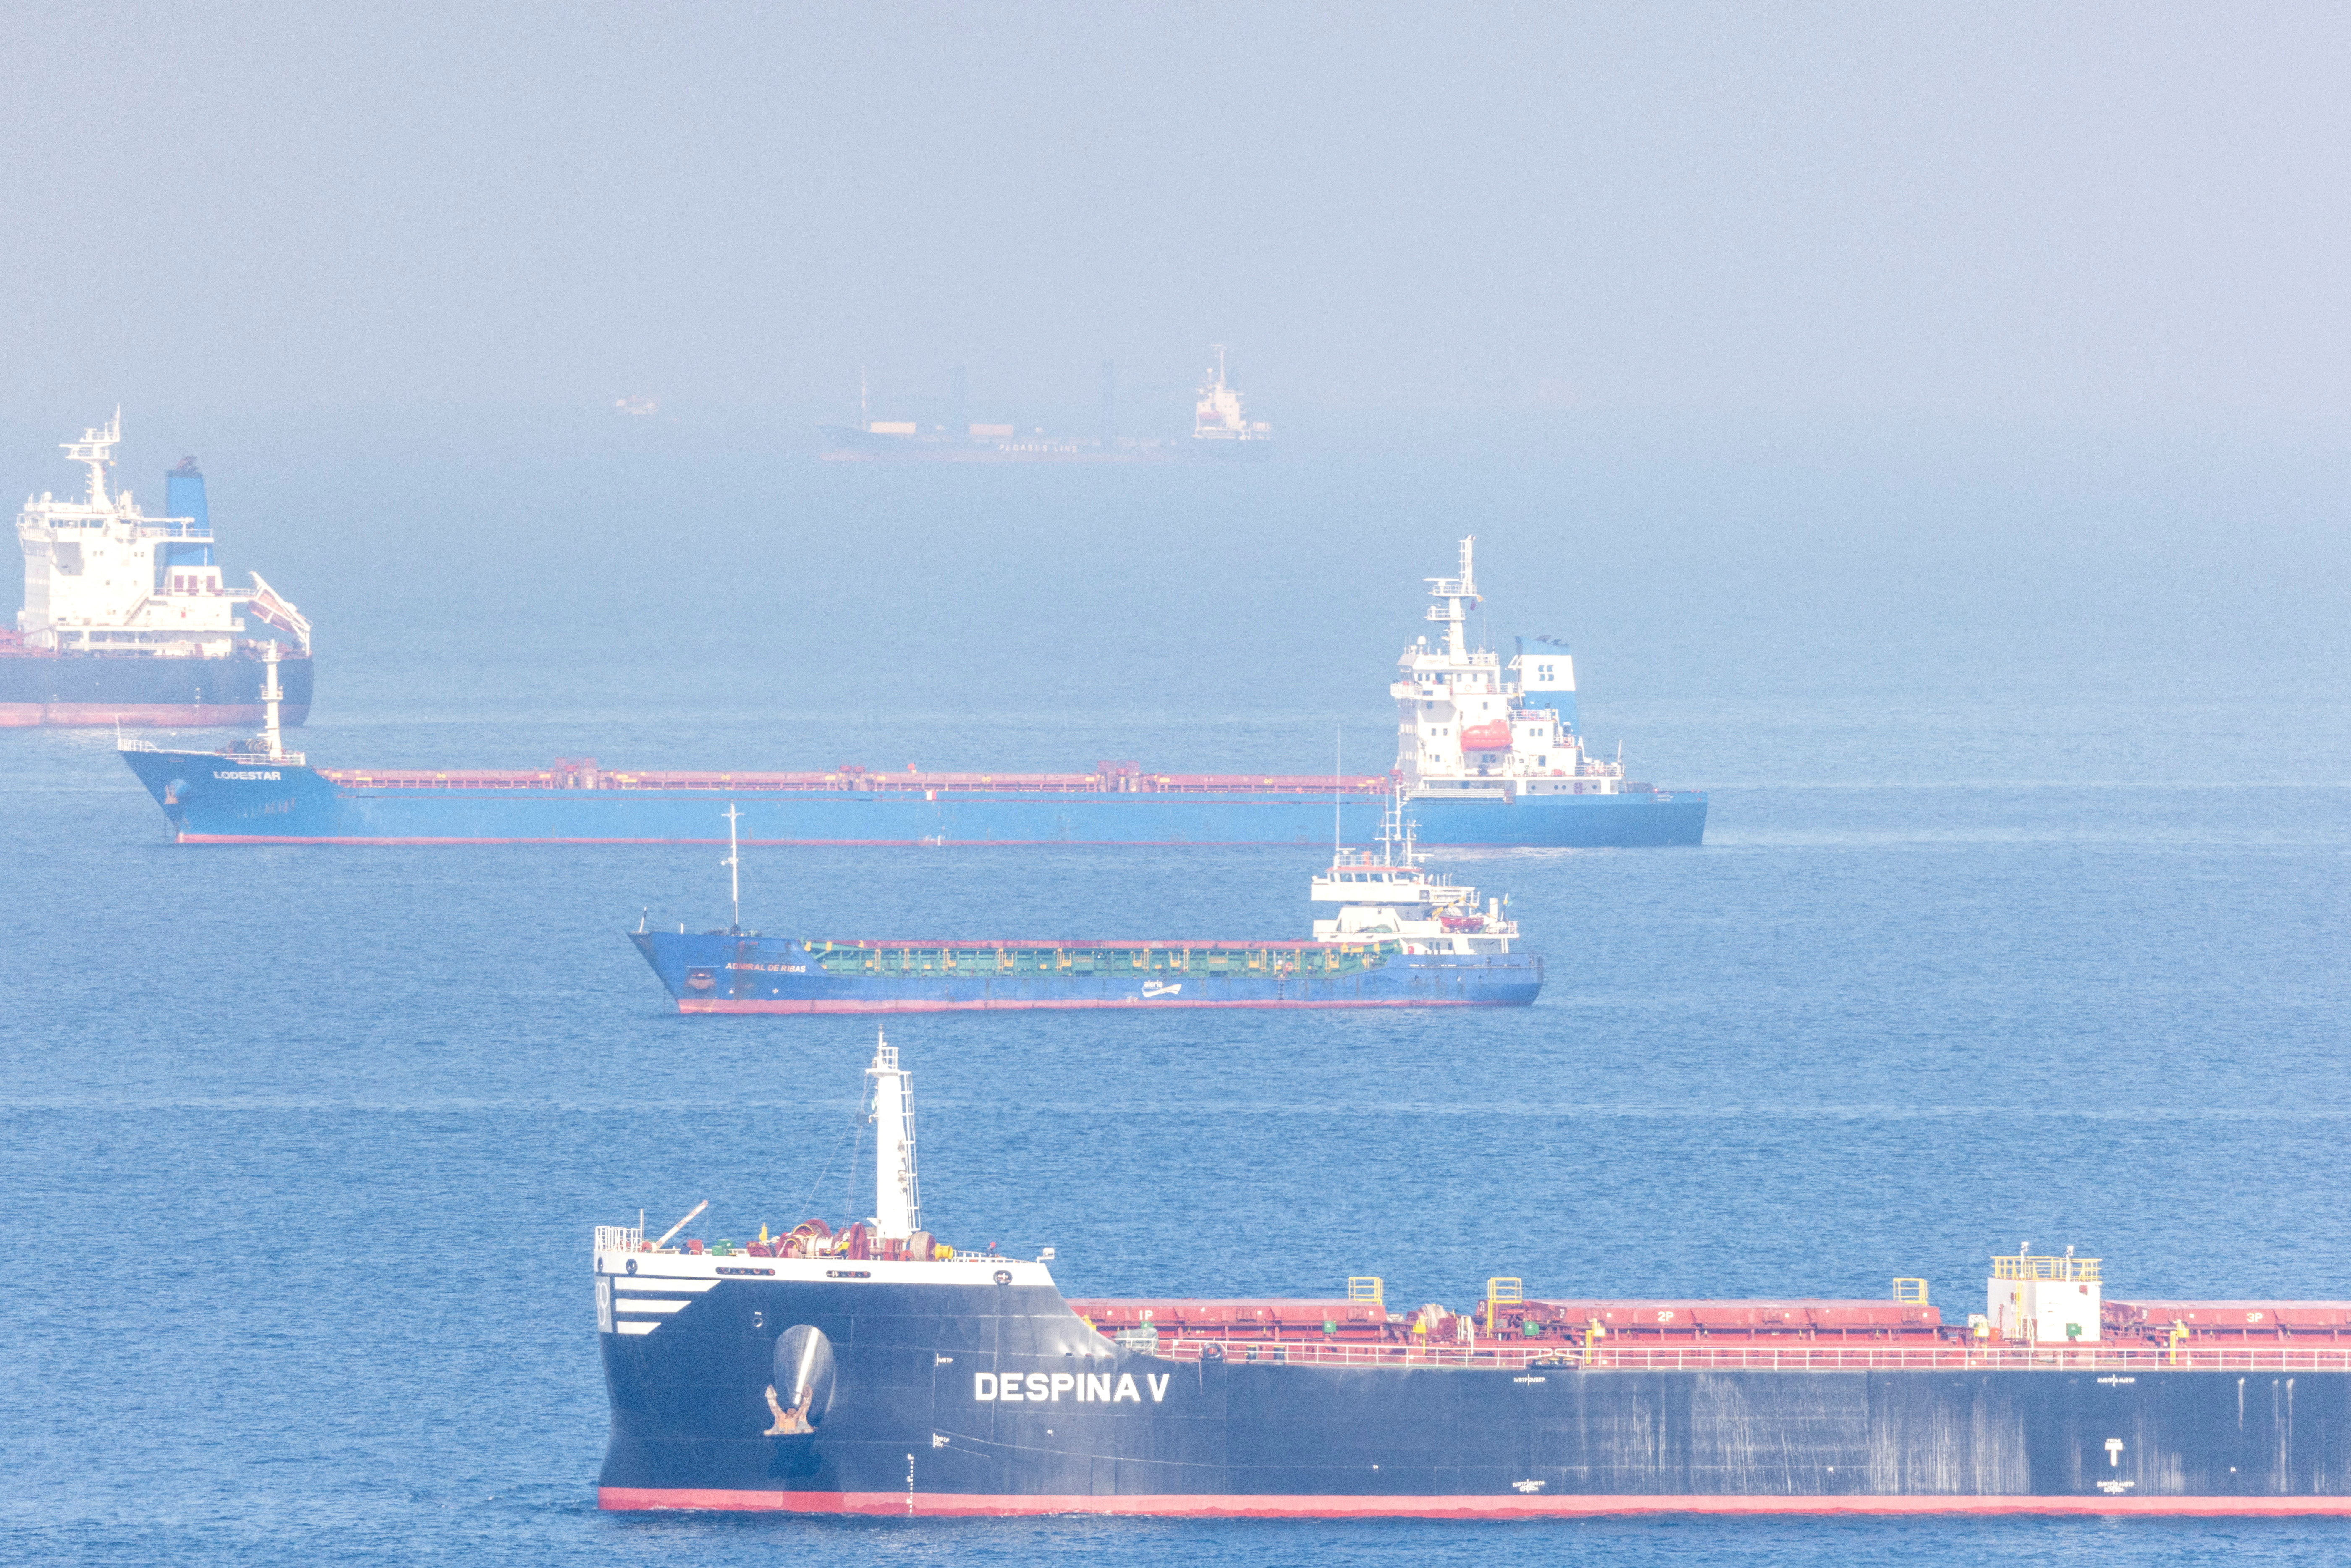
[
  {"x": 1457, "y": 593},
  {"x": 95, "y": 449},
  {"x": 734, "y": 865}
]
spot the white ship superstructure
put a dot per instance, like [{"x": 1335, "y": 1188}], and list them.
[
  {"x": 1390, "y": 895},
  {"x": 103, "y": 577},
  {"x": 1218, "y": 415},
  {"x": 1472, "y": 726}
]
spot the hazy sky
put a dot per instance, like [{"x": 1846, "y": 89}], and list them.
[{"x": 2103, "y": 215}]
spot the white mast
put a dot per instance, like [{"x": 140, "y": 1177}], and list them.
[
  {"x": 734, "y": 865},
  {"x": 96, "y": 448},
  {"x": 272, "y": 737},
  {"x": 897, "y": 1198},
  {"x": 1459, "y": 594}
]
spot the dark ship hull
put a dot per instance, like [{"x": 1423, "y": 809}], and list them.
[
  {"x": 949, "y": 1393},
  {"x": 141, "y": 691}
]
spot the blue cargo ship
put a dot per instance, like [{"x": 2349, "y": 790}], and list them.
[
  {"x": 1489, "y": 754},
  {"x": 1401, "y": 937}
]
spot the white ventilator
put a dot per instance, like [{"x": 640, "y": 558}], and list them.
[{"x": 897, "y": 1198}]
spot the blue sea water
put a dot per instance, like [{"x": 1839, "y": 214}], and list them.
[{"x": 2021, "y": 916}]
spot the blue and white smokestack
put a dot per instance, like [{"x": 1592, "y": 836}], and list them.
[{"x": 1547, "y": 676}]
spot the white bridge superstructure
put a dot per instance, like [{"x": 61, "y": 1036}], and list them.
[
  {"x": 1471, "y": 725},
  {"x": 103, "y": 577},
  {"x": 1217, "y": 414},
  {"x": 1391, "y": 894}
]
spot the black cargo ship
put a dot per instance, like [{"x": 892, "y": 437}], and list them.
[
  {"x": 874, "y": 1370},
  {"x": 94, "y": 690}
]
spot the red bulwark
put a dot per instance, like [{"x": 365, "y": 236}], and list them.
[
  {"x": 1679, "y": 1322},
  {"x": 1263, "y": 1319},
  {"x": 2230, "y": 1322}
]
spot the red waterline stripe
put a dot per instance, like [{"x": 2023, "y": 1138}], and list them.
[
  {"x": 1209, "y": 1506},
  {"x": 730, "y": 1006},
  {"x": 851, "y": 843}
]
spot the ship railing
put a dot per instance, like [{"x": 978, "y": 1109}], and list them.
[
  {"x": 133, "y": 743},
  {"x": 259, "y": 757},
  {"x": 2044, "y": 1265},
  {"x": 619, "y": 1237},
  {"x": 1541, "y": 1356}
]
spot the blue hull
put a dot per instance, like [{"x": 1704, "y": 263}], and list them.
[
  {"x": 718, "y": 972},
  {"x": 211, "y": 800}
]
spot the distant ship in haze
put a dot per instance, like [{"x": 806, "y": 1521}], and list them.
[
  {"x": 1220, "y": 426},
  {"x": 128, "y": 619},
  {"x": 1221, "y": 431}
]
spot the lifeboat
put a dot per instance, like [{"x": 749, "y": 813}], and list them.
[{"x": 1493, "y": 737}]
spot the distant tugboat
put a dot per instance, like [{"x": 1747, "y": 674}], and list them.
[
  {"x": 127, "y": 618},
  {"x": 1401, "y": 936}
]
